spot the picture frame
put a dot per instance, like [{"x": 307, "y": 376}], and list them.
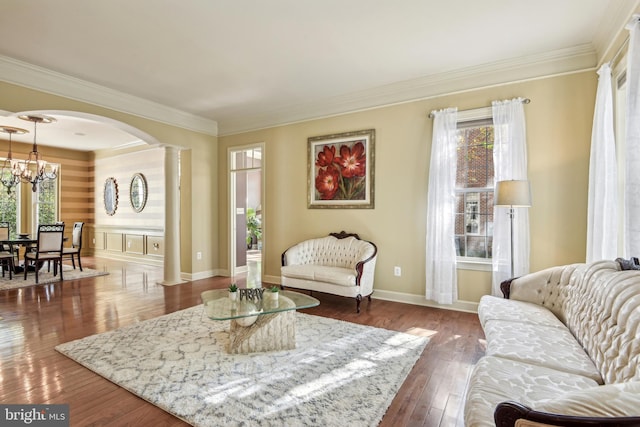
[
  {"x": 110, "y": 196},
  {"x": 341, "y": 170}
]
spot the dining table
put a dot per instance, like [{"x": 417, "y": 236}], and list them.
[{"x": 23, "y": 240}]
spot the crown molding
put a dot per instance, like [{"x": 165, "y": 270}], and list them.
[
  {"x": 561, "y": 61},
  {"x": 612, "y": 27},
  {"x": 574, "y": 59},
  {"x": 34, "y": 77}
]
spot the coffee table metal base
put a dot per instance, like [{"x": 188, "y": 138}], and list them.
[{"x": 270, "y": 332}]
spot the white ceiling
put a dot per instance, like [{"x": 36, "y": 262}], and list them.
[{"x": 248, "y": 64}]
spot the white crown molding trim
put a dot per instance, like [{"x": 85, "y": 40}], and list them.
[
  {"x": 502, "y": 72},
  {"x": 561, "y": 61},
  {"x": 613, "y": 26},
  {"x": 34, "y": 77}
]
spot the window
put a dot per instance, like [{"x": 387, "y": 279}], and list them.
[
  {"x": 47, "y": 202},
  {"x": 474, "y": 189},
  {"x": 9, "y": 209}
]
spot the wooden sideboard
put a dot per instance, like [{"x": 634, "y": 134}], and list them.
[{"x": 134, "y": 244}]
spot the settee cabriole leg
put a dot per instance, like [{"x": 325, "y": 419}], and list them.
[{"x": 358, "y": 301}]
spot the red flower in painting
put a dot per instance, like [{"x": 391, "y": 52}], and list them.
[
  {"x": 352, "y": 161},
  {"x": 341, "y": 177},
  {"x": 327, "y": 183},
  {"x": 326, "y": 156}
]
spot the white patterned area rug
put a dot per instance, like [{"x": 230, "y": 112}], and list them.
[
  {"x": 340, "y": 374},
  {"x": 45, "y": 277}
]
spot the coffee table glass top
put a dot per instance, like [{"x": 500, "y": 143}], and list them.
[{"x": 218, "y": 304}]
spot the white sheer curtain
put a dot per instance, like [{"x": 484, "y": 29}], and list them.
[
  {"x": 441, "y": 274},
  {"x": 602, "y": 217},
  {"x": 510, "y": 162},
  {"x": 632, "y": 150}
]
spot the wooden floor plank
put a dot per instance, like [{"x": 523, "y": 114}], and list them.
[{"x": 34, "y": 320}]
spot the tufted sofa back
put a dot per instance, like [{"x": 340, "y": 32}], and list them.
[
  {"x": 600, "y": 304},
  {"x": 605, "y": 318},
  {"x": 330, "y": 251}
]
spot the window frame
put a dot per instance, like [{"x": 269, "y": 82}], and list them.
[
  {"x": 465, "y": 262},
  {"x": 16, "y": 195},
  {"x": 619, "y": 83},
  {"x": 36, "y": 203}
]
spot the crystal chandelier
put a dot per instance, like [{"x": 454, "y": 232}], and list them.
[
  {"x": 10, "y": 173},
  {"x": 36, "y": 170}
]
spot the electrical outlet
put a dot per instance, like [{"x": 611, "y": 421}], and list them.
[
  {"x": 198, "y": 255},
  {"x": 397, "y": 271}
]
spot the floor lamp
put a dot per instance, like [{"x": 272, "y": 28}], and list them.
[{"x": 513, "y": 194}]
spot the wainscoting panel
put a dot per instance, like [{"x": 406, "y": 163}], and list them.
[
  {"x": 155, "y": 246},
  {"x": 114, "y": 242},
  {"x": 135, "y": 244},
  {"x": 96, "y": 239}
]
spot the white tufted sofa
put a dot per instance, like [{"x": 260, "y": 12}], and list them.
[
  {"x": 565, "y": 347},
  {"x": 339, "y": 264}
]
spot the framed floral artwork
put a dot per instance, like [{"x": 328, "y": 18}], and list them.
[{"x": 341, "y": 170}]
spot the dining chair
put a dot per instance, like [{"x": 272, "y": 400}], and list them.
[
  {"x": 6, "y": 250},
  {"x": 48, "y": 248},
  {"x": 76, "y": 245}
]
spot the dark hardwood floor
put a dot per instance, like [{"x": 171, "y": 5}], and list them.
[{"x": 34, "y": 320}]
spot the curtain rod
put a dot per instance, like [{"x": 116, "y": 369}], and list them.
[{"x": 524, "y": 101}]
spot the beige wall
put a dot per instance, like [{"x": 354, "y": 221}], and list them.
[
  {"x": 199, "y": 210},
  {"x": 558, "y": 129},
  {"x": 559, "y": 121}
]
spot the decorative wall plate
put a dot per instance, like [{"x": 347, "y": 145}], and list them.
[
  {"x": 138, "y": 192},
  {"x": 110, "y": 196}
]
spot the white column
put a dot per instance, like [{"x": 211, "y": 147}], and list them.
[{"x": 171, "y": 218}]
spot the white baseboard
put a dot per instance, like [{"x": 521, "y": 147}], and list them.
[
  {"x": 274, "y": 280},
  {"x": 203, "y": 275},
  {"x": 466, "y": 306}
]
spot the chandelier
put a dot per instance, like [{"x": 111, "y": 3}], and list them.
[
  {"x": 10, "y": 173},
  {"x": 35, "y": 170}
]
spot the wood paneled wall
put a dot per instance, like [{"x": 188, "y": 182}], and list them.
[{"x": 75, "y": 180}]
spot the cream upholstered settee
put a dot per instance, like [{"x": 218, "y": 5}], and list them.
[
  {"x": 564, "y": 348},
  {"x": 340, "y": 264}
]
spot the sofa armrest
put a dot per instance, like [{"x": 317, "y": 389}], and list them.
[
  {"x": 508, "y": 413},
  {"x": 365, "y": 271},
  {"x": 288, "y": 257},
  {"x": 536, "y": 287},
  {"x": 505, "y": 287}
]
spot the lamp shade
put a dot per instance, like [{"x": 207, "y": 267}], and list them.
[{"x": 514, "y": 193}]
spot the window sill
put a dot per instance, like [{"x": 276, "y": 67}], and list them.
[{"x": 474, "y": 264}]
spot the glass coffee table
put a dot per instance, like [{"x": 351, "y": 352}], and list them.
[{"x": 261, "y": 320}]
